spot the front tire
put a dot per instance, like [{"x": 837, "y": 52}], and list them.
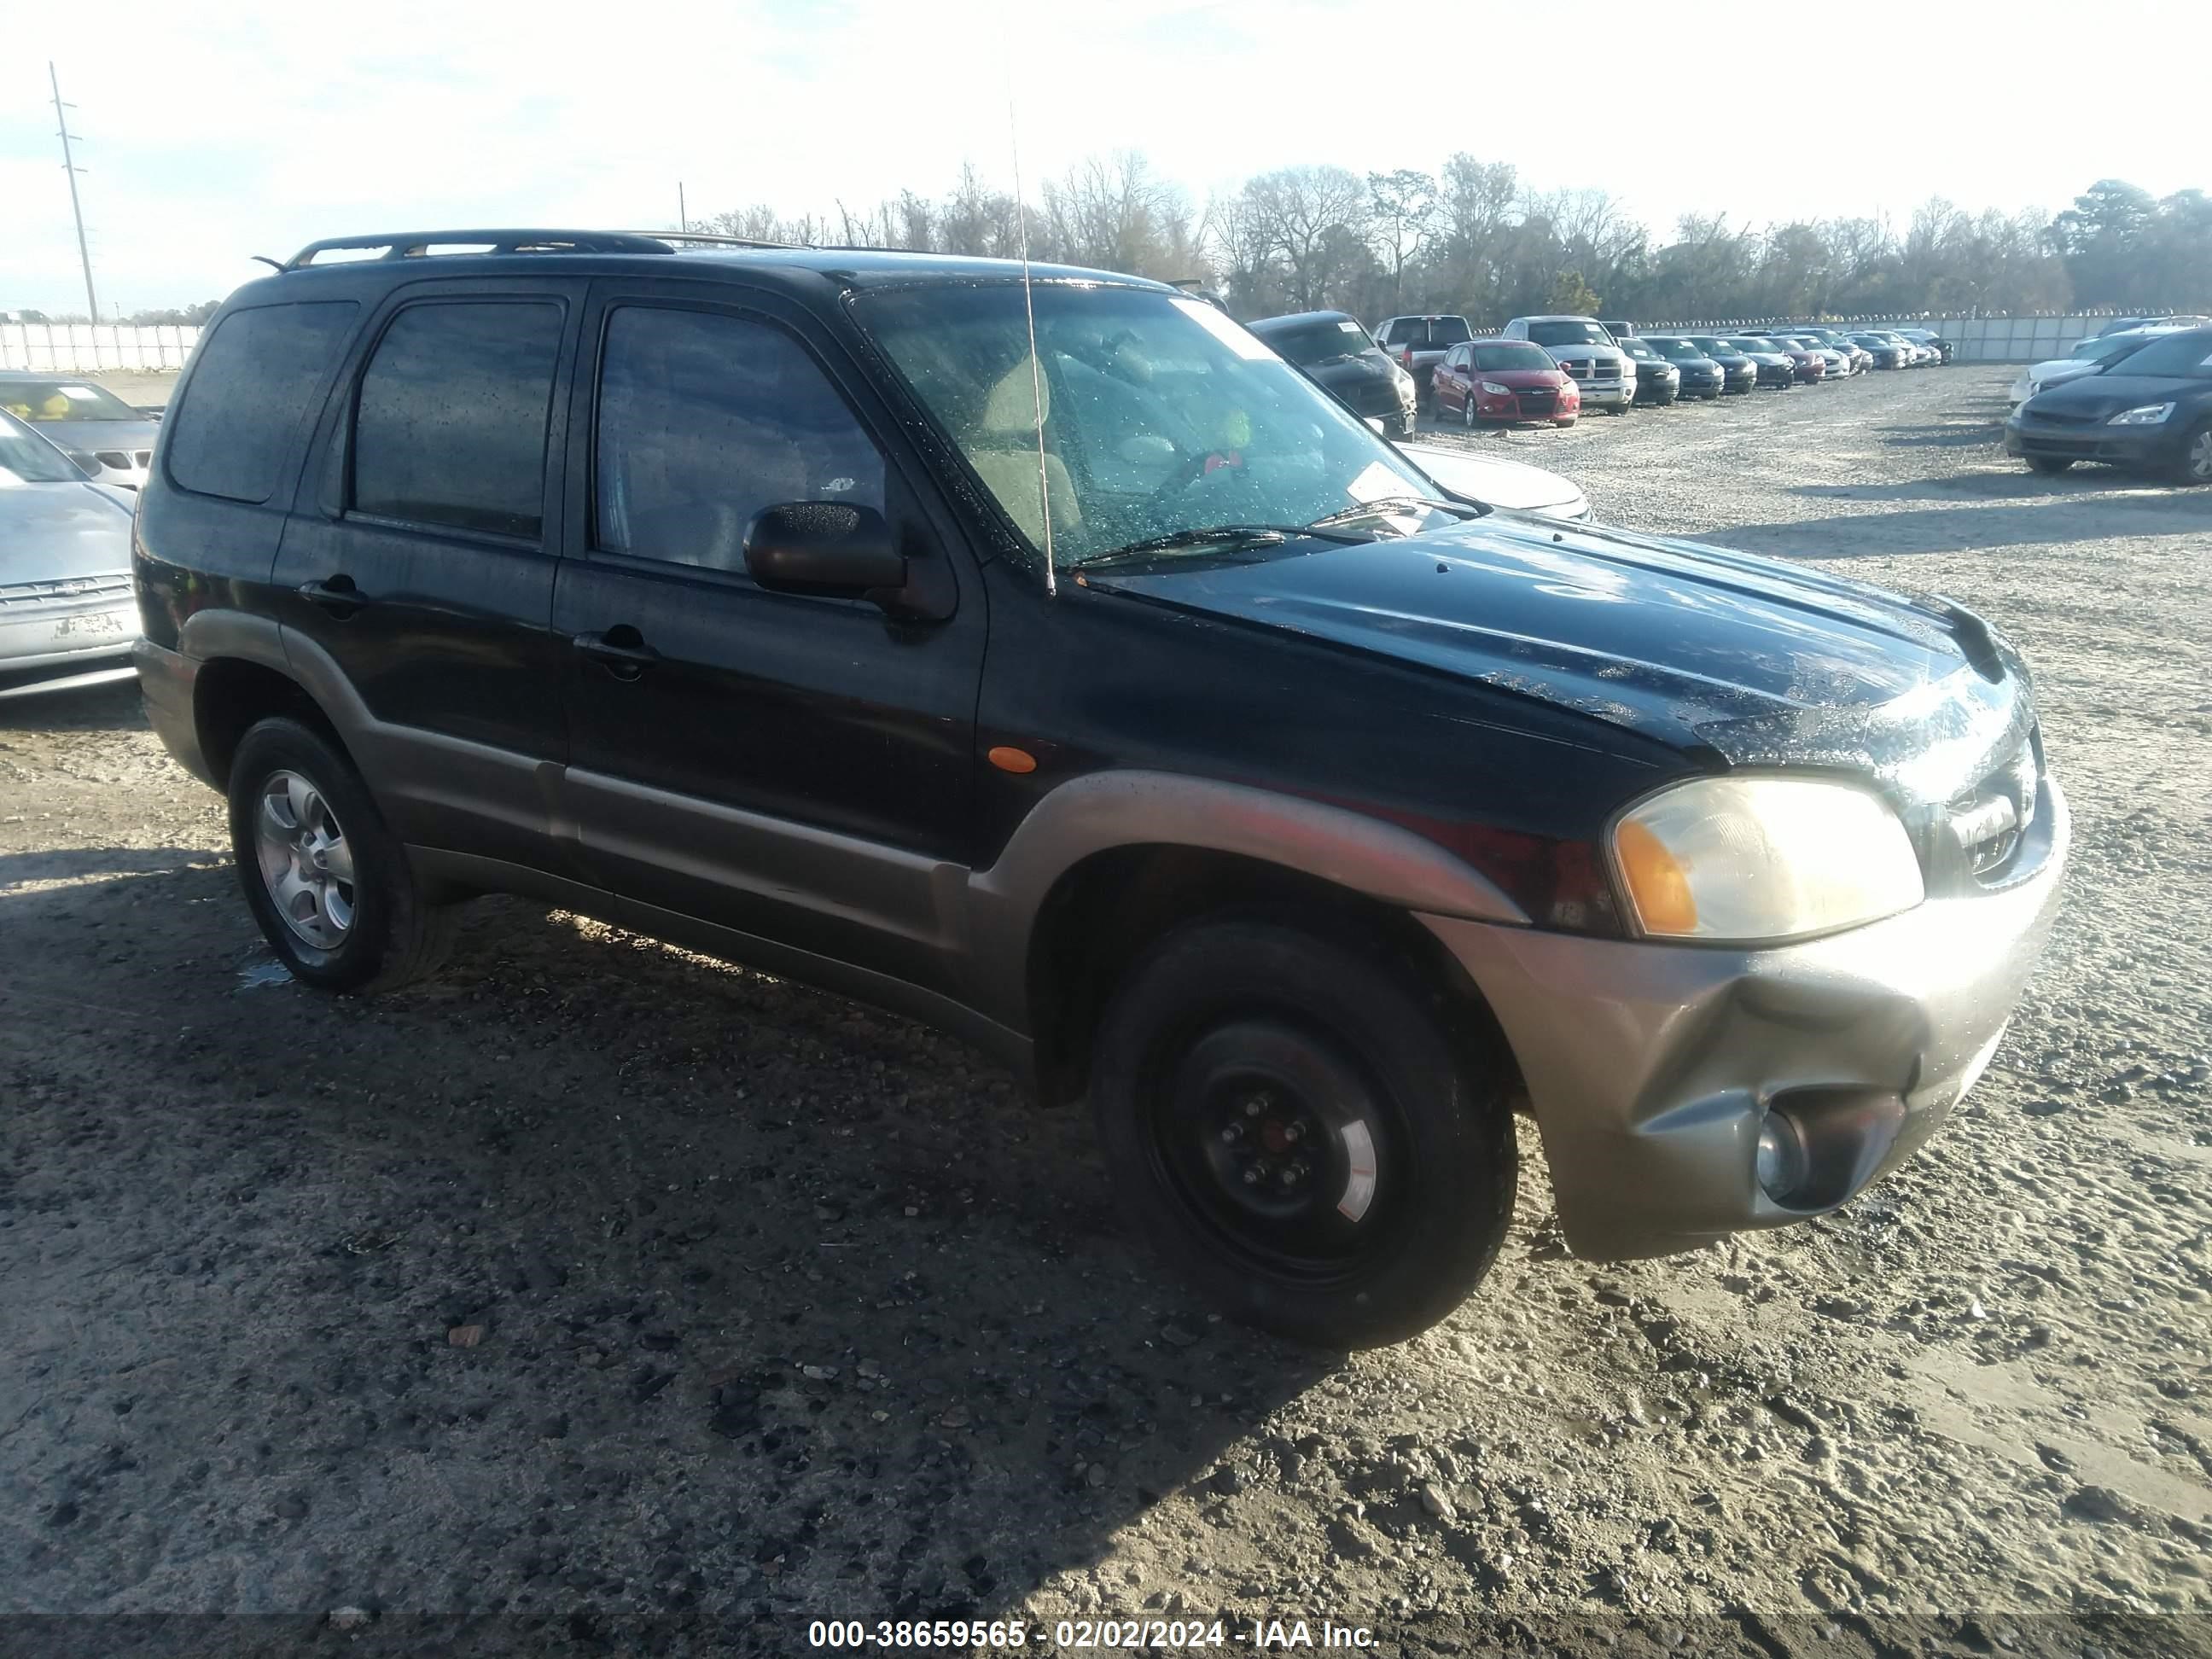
[
  {"x": 327, "y": 880},
  {"x": 2195, "y": 466},
  {"x": 1289, "y": 1124},
  {"x": 1468, "y": 415}
]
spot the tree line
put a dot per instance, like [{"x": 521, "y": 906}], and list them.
[{"x": 1475, "y": 239}]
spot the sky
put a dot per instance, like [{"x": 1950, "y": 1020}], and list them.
[{"x": 211, "y": 133}]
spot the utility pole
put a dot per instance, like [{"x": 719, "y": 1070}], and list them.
[
  {"x": 70, "y": 168},
  {"x": 683, "y": 218}
]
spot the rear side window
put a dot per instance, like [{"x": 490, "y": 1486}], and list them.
[
  {"x": 450, "y": 427},
  {"x": 254, "y": 381}
]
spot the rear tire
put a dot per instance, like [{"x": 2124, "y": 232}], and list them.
[
  {"x": 2049, "y": 465},
  {"x": 325, "y": 878},
  {"x": 1287, "y": 1121}
]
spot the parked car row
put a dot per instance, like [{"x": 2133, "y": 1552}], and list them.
[
  {"x": 1555, "y": 368},
  {"x": 107, "y": 438}
]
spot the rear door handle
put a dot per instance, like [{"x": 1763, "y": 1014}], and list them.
[
  {"x": 338, "y": 595},
  {"x": 621, "y": 648}
]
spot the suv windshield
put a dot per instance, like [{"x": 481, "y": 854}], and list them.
[
  {"x": 1317, "y": 342},
  {"x": 28, "y": 458},
  {"x": 1160, "y": 415},
  {"x": 62, "y": 400},
  {"x": 1498, "y": 359},
  {"x": 2187, "y": 356},
  {"x": 1567, "y": 331}
]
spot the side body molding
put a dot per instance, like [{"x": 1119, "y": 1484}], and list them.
[{"x": 1104, "y": 811}]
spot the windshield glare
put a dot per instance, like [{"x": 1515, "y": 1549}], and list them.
[
  {"x": 1568, "y": 333},
  {"x": 62, "y": 400},
  {"x": 28, "y": 458},
  {"x": 1503, "y": 359},
  {"x": 1160, "y": 414}
]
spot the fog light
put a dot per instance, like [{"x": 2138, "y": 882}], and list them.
[{"x": 1782, "y": 1162}]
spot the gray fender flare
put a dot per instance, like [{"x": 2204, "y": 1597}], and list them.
[{"x": 1104, "y": 811}]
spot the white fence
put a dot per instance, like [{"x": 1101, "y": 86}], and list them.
[{"x": 85, "y": 348}]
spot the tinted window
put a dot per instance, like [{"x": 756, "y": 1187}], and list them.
[
  {"x": 1568, "y": 333},
  {"x": 2185, "y": 354},
  {"x": 1316, "y": 342},
  {"x": 1498, "y": 357},
  {"x": 253, "y": 382},
  {"x": 451, "y": 428},
  {"x": 704, "y": 420}
]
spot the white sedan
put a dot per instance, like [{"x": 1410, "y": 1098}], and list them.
[{"x": 1511, "y": 486}]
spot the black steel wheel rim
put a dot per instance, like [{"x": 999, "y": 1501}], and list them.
[{"x": 1275, "y": 1141}]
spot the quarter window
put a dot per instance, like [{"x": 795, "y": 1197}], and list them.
[
  {"x": 450, "y": 424},
  {"x": 252, "y": 386},
  {"x": 704, "y": 420}
]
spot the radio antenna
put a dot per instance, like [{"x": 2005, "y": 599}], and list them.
[{"x": 1037, "y": 368}]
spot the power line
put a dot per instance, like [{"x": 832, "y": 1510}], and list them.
[{"x": 71, "y": 169}]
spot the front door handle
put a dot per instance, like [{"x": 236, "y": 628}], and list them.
[
  {"x": 621, "y": 648},
  {"x": 338, "y": 595}
]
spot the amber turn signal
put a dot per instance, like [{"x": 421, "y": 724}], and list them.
[
  {"x": 1657, "y": 885},
  {"x": 1008, "y": 758}
]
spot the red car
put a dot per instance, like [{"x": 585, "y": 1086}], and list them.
[
  {"x": 1504, "y": 380},
  {"x": 1810, "y": 365}
]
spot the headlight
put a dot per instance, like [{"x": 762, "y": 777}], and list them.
[
  {"x": 1762, "y": 857},
  {"x": 2148, "y": 415},
  {"x": 1494, "y": 389}
]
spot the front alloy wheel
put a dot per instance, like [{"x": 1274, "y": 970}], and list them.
[{"x": 2196, "y": 456}]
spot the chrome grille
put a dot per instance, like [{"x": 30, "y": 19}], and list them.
[{"x": 65, "y": 593}]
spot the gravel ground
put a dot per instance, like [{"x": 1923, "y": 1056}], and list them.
[{"x": 602, "y": 1282}]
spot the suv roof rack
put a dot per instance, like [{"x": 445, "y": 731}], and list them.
[
  {"x": 417, "y": 244},
  {"x": 713, "y": 240}
]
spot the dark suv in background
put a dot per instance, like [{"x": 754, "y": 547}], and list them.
[
  {"x": 1336, "y": 352},
  {"x": 1034, "y": 651}
]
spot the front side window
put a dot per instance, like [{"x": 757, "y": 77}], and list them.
[
  {"x": 450, "y": 425},
  {"x": 705, "y": 419},
  {"x": 1158, "y": 415}
]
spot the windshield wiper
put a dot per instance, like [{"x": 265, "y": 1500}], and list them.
[
  {"x": 1265, "y": 535},
  {"x": 1387, "y": 503}
]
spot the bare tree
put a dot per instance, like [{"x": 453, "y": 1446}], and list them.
[
  {"x": 1403, "y": 209},
  {"x": 1301, "y": 214}
]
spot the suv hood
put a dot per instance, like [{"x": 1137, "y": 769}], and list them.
[{"x": 1708, "y": 651}]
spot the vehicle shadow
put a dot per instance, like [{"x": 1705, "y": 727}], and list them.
[
  {"x": 2018, "y": 484},
  {"x": 95, "y": 863},
  {"x": 2049, "y": 518},
  {"x": 612, "y": 1280},
  {"x": 113, "y": 707}
]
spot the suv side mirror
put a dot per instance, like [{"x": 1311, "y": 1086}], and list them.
[{"x": 828, "y": 549}]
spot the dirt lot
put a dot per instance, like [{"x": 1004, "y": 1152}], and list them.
[{"x": 791, "y": 1310}]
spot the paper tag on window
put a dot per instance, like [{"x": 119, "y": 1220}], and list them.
[{"x": 1377, "y": 482}]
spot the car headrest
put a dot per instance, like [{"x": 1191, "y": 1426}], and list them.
[{"x": 1019, "y": 402}]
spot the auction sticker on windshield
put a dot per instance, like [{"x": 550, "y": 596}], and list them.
[{"x": 1376, "y": 483}]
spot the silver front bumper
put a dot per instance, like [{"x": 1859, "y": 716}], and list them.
[
  {"x": 1651, "y": 1067},
  {"x": 60, "y": 646}
]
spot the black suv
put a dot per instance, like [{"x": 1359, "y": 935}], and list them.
[{"x": 1038, "y": 654}]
